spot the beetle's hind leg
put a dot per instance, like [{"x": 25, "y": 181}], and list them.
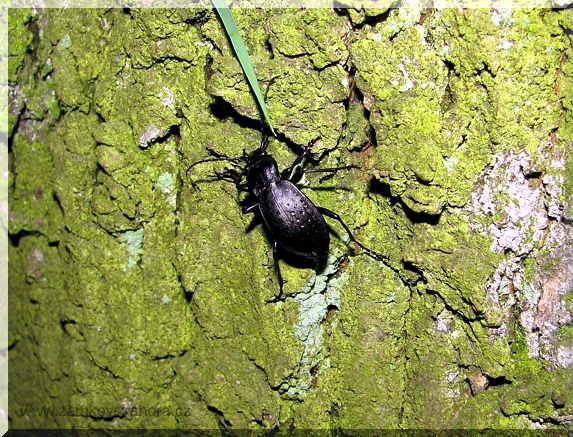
[
  {"x": 333, "y": 215},
  {"x": 277, "y": 272}
]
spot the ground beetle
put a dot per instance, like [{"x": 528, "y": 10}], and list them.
[{"x": 293, "y": 223}]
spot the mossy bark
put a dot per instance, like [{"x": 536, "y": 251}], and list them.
[{"x": 138, "y": 291}]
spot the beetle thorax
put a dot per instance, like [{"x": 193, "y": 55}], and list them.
[{"x": 262, "y": 173}]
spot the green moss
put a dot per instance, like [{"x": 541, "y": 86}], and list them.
[
  {"x": 44, "y": 353},
  {"x": 322, "y": 48},
  {"x": 304, "y": 102},
  {"x": 33, "y": 207},
  {"x": 415, "y": 136},
  {"x": 568, "y": 299},
  {"x": 565, "y": 336},
  {"x": 145, "y": 288},
  {"x": 19, "y": 39}
]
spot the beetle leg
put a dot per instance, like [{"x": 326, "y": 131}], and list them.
[
  {"x": 332, "y": 170},
  {"x": 231, "y": 175},
  {"x": 249, "y": 208},
  {"x": 333, "y": 215},
  {"x": 287, "y": 172},
  {"x": 264, "y": 142},
  {"x": 243, "y": 187},
  {"x": 228, "y": 175},
  {"x": 278, "y": 273}
]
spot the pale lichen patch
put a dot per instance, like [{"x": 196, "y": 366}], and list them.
[
  {"x": 314, "y": 301},
  {"x": 133, "y": 241},
  {"x": 148, "y": 136},
  {"x": 523, "y": 216}
]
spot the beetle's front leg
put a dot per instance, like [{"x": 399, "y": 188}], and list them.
[
  {"x": 295, "y": 176},
  {"x": 231, "y": 175},
  {"x": 287, "y": 173},
  {"x": 227, "y": 175}
]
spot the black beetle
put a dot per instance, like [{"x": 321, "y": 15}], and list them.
[{"x": 292, "y": 221}]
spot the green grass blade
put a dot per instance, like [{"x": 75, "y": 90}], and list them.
[{"x": 242, "y": 55}]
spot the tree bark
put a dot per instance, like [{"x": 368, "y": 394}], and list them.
[{"x": 138, "y": 290}]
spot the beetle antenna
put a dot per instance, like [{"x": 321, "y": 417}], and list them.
[{"x": 217, "y": 157}]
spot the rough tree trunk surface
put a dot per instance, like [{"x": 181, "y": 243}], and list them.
[{"x": 138, "y": 289}]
